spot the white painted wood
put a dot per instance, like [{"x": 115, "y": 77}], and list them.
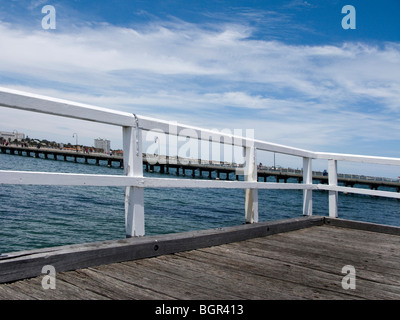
[
  {"x": 75, "y": 179},
  {"x": 333, "y": 195},
  {"x": 134, "y": 182},
  {"x": 377, "y": 193},
  {"x": 134, "y": 196},
  {"x": 357, "y": 158},
  {"x": 176, "y": 129},
  {"x": 272, "y": 147},
  {"x": 48, "y": 105},
  {"x": 251, "y": 195},
  {"x": 38, "y": 103},
  {"x": 42, "y": 104},
  {"x": 307, "y": 193},
  {"x": 171, "y": 127}
]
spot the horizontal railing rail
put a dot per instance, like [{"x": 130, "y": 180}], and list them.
[{"x": 134, "y": 182}]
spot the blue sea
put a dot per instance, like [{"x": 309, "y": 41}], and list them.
[{"x": 43, "y": 216}]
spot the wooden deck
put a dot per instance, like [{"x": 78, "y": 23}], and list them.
[{"x": 302, "y": 261}]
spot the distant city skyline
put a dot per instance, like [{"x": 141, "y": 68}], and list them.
[
  {"x": 98, "y": 143},
  {"x": 102, "y": 144},
  {"x": 14, "y": 135}
]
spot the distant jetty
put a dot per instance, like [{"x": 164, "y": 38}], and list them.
[{"x": 197, "y": 168}]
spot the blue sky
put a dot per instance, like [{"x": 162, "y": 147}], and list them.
[{"x": 286, "y": 69}]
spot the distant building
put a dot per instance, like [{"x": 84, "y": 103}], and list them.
[
  {"x": 12, "y": 135},
  {"x": 102, "y": 144}
]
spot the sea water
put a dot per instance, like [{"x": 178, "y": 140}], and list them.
[{"x": 43, "y": 216}]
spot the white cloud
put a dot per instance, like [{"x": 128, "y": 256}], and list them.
[{"x": 304, "y": 96}]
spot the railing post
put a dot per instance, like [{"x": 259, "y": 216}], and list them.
[
  {"x": 333, "y": 195},
  {"x": 134, "y": 196},
  {"x": 307, "y": 179},
  {"x": 251, "y": 195}
]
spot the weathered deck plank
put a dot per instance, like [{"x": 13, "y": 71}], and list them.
[
  {"x": 26, "y": 264},
  {"x": 375, "y": 276},
  {"x": 300, "y": 264},
  {"x": 310, "y": 258},
  {"x": 360, "y": 252}
]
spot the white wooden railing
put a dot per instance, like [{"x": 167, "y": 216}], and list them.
[{"x": 134, "y": 181}]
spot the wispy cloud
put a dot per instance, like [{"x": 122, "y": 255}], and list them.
[{"x": 219, "y": 75}]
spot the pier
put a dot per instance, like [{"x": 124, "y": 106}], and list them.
[
  {"x": 199, "y": 168},
  {"x": 62, "y": 155},
  {"x": 306, "y": 257},
  {"x": 291, "y": 259}
]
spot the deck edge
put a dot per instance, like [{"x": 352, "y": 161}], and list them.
[
  {"x": 360, "y": 225},
  {"x": 28, "y": 264}
]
